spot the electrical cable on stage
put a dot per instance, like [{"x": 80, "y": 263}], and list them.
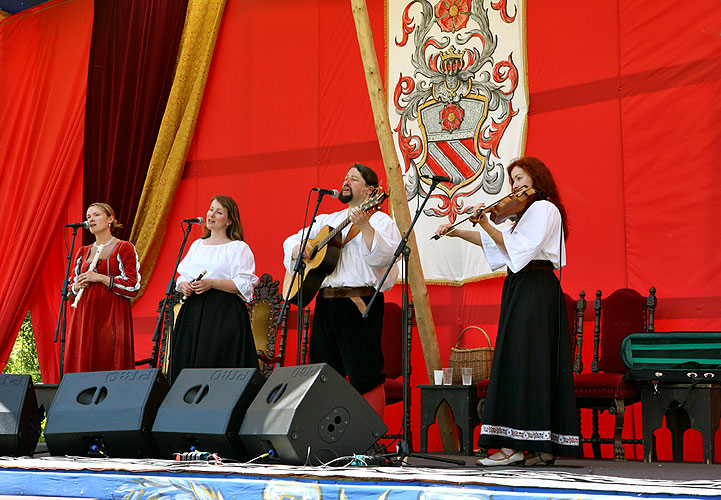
[{"x": 269, "y": 454}]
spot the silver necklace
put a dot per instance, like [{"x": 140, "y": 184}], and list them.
[{"x": 105, "y": 244}]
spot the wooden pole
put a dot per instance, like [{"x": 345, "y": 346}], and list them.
[{"x": 424, "y": 318}]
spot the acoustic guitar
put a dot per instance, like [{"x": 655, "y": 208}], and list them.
[{"x": 324, "y": 253}]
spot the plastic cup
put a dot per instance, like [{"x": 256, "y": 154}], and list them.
[
  {"x": 467, "y": 375},
  {"x": 438, "y": 377},
  {"x": 448, "y": 376}
]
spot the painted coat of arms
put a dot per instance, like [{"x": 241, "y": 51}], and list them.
[{"x": 458, "y": 105}]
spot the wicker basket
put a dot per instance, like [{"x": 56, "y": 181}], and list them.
[{"x": 478, "y": 358}]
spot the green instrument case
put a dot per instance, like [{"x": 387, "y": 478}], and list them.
[{"x": 673, "y": 356}]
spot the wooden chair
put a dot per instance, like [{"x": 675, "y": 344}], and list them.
[
  {"x": 392, "y": 345},
  {"x": 160, "y": 352},
  {"x": 305, "y": 337},
  {"x": 264, "y": 312},
  {"x": 623, "y": 312}
]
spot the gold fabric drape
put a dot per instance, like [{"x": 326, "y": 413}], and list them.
[{"x": 195, "y": 53}]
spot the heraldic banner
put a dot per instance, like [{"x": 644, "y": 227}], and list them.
[{"x": 458, "y": 102}]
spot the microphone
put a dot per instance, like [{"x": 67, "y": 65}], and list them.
[
  {"x": 437, "y": 178},
  {"x": 333, "y": 193},
  {"x": 196, "y": 220},
  {"x": 84, "y": 224}
]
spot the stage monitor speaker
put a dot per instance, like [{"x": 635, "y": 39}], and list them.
[
  {"x": 19, "y": 416},
  {"x": 108, "y": 413},
  {"x": 204, "y": 409},
  {"x": 309, "y": 414}
]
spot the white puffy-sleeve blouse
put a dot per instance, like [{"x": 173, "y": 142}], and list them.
[
  {"x": 231, "y": 261},
  {"x": 538, "y": 235}
]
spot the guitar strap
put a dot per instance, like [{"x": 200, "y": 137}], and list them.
[
  {"x": 354, "y": 229},
  {"x": 352, "y": 234},
  {"x": 359, "y": 304}
]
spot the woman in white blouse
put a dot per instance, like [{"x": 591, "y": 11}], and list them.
[
  {"x": 530, "y": 406},
  {"x": 213, "y": 327}
]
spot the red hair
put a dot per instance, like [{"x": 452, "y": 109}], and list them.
[{"x": 542, "y": 182}]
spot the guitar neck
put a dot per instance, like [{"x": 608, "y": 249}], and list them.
[
  {"x": 371, "y": 204},
  {"x": 334, "y": 232}
]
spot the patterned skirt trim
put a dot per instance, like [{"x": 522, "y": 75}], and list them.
[{"x": 530, "y": 435}]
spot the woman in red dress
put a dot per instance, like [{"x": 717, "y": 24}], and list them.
[{"x": 100, "y": 336}]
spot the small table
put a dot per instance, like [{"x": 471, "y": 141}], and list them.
[
  {"x": 462, "y": 399},
  {"x": 699, "y": 407}
]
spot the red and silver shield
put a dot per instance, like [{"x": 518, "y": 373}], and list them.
[{"x": 450, "y": 132}]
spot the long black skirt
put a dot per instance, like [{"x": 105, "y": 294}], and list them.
[
  {"x": 531, "y": 404},
  {"x": 212, "y": 331}
]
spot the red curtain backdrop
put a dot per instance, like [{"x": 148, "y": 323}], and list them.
[
  {"x": 45, "y": 298},
  {"x": 43, "y": 71},
  {"x": 624, "y": 111},
  {"x": 132, "y": 62}
]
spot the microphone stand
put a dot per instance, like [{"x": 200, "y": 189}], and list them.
[
  {"x": 405, "y": 445},
  {"x": 299, "y": 272},
  {"x": 153, "y": 361},
  {"x": 61, "y": 324}
]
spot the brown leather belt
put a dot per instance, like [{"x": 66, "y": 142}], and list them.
[
  {"x": 346, "y": 291},
  {"x": 545, "y": 265}
]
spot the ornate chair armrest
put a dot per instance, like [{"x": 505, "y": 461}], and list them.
[{"x": 263, "y": 356}]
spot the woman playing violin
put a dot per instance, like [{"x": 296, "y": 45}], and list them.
[{"x": 530, "y": 412}]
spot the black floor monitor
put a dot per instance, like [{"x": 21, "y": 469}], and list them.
[
  {"x": 204, "y": 410},
  {"x": 309, "y": 414},
  {"x": 107, "y": 413}
]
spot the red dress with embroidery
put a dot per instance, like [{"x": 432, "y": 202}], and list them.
[{"x": 100, "y": 335}]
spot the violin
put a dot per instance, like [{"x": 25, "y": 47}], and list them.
[{"x": 510, "y": 207}]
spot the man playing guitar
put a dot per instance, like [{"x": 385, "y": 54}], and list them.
[{"x": 340, "y": 336}]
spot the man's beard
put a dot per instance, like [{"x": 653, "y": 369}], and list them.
[{"x": 345, "y": 198}]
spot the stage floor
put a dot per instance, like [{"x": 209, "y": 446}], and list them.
[{"x": 420, "y": 479}]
